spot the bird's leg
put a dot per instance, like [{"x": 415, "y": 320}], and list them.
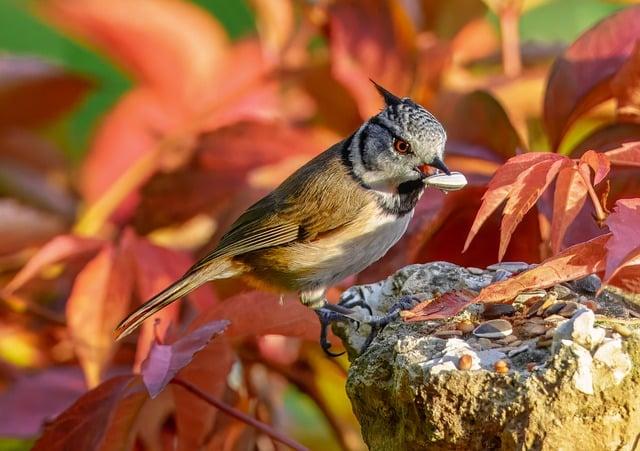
[
  {"x": 329, "y": 313},
  {"x": 351, "y": 301},
  {"x": 379, "y": 323}
]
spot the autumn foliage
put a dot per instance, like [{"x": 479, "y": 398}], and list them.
[{"x": 548, "y": 137}]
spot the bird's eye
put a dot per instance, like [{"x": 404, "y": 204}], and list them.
[{"x": 402, "y": 147}]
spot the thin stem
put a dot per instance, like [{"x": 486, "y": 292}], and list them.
[
  {"x": 600, "y": 214},
  {"x": 235, "y": 413},
  {"x": 511, "y": 59}
]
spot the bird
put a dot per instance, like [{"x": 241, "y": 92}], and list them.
[{"x": 332, "y": 218}]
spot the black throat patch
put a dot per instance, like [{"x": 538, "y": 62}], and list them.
[{"x": 404, "y": 201}]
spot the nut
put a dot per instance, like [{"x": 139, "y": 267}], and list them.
[
  {"x": 465, "y": 362},
  {"x": 501, "y": 367},
  {"x": 465, "y": 327}
]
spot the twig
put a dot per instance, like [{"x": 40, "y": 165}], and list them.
[
  {"x": 235, "y": 413},
  {"x": 600, "y": 214},
  {"x": 511, "y": 59}
]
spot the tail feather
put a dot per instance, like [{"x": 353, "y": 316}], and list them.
[{"x": 180, "y": 288}]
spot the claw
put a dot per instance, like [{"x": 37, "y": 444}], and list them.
[
  {"x": 326, "y": 318},
  {"x": 349, "y": 303}
]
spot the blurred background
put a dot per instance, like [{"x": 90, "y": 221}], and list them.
[{"x": 132, "y": 132}]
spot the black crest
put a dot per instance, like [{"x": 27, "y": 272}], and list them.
[{"x": 389, "y": 99}]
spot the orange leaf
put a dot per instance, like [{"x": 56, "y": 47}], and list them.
[
  {"x": 598, "y": 162},
  {"x": 579, "y": 79},
  {"x": 503, "y": 183},
  {"x": 172, "y": 46},
  {"x": 58, "y": 249},
  {"x": 98, "y": 301},
  {"x": 572, "y": 263},
  {"x": 626, "y": 155},
  {"x": 569, "y": 198},
  {"x": 529, "y": 186}
]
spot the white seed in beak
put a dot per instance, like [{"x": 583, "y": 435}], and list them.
[{"x": 445, "y": 182}]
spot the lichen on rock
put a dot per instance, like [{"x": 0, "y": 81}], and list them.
[{"x": 568, "y": 384}]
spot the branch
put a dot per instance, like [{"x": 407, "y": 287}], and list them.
[{"x": 237, "y": 414}]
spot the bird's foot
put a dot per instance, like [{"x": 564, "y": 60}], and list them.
[
  {"x": 352, "y": 302},
  {"x": 330, "y": 313},
  {"x": 379, "y": 323},
  {"x": 327, "y": 317}
]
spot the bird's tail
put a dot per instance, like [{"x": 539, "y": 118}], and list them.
[{"x": 172, "y": 293}]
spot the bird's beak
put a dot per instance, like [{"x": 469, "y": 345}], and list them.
[{"x": 435, "y": 163}]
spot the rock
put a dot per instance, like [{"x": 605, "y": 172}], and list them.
[
  {"x": 580, "y": 328},
  {"x": 524, "y": 297},
  {"x": 494, "y": 311},
  {"x": 533, "y": 330},
  {"x": 563, "y": 292},
  {"x": 589, "y": 284},
  {"x": 447, "y": 333},
  {"x": 500, "y": 275},
  {"x": 495, "y": 328},
  {"x": 411, "y": 391},
  {"x": 520, "y": 349},
  {"x": 569, "y": 309},
  {"x": 623, "y": 330},
  {"x": 485, "y": 343},
  {"x": 582, "y": 377},
  {"x": 512, "y": 267},
  {"x": 475, "y": 271},
  {"x": 553, "y": 309},
  {"x": 616, "y": 361}
]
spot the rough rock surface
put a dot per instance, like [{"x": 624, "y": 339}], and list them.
[{"x": 556, "y": 383}]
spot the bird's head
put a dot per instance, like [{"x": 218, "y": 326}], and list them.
[{"x": 397, "y": 145}]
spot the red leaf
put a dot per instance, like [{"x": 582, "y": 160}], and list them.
[
  {"x": 627, "y": 275},
  {"x": 626, "y": 155},
  {"x": 503, "y": 183},
  {"x": 370, "y": 39},
  {"x": 251, "y": 314},
  {"x": 572, "y": 263},
  {"x": 175, "y": 49},
  {"x": 579, "y": 79},
  {"x": 569, "y": 198},
  {"x": 32, "y": 400},
  {"x": 98, "y": 301},
  {"x": 624, "y": 224},
  {"x": 156, "y": 268},
  {"x": 229, "y": 160},
  {"x": 33, "y": 92},
  {"x": 22, "y": 226},
  {"x": 103, "y": 419},
  {"x": 58, "y": 249},
  {"x": 626, "y": 87},
  {"x": 165, "y": 361},
  {"x": 442, "y": 307},
  {"x": 208, "y": 371},
  {"x": 599, "y": 163},
  {"x": 529, "y": 187},
  {"x": 490, "y": 129}
]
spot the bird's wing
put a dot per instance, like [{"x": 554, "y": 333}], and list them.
[{"x": 320, "y": 197}]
